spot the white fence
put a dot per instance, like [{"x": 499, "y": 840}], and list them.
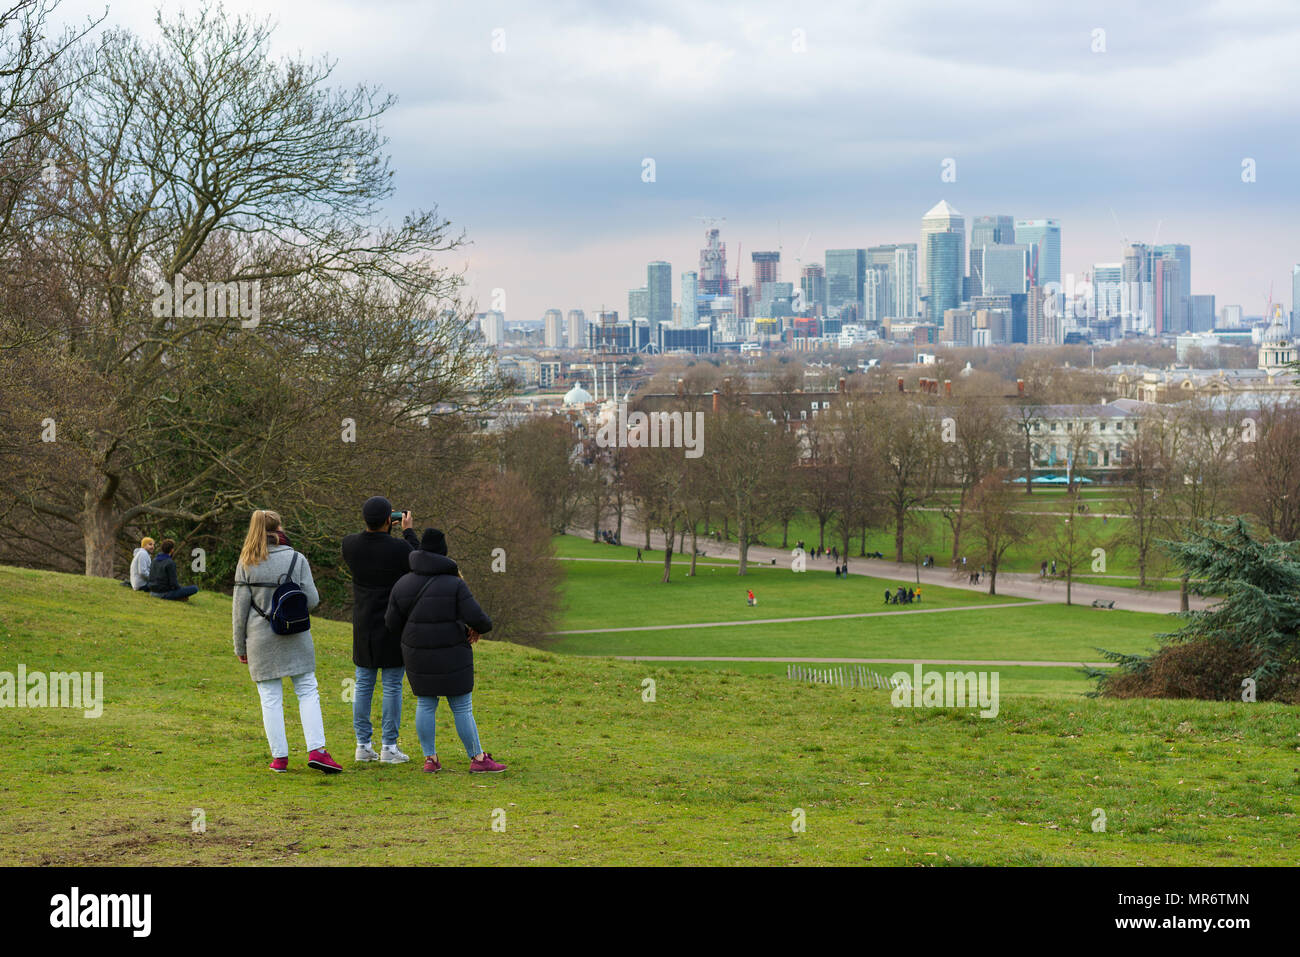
[{"x": 842, "y": 676}]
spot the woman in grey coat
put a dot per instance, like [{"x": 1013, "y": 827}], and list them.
[{"x": 264, "y": 564}]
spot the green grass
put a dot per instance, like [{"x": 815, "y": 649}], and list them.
[
  {"x": 708, "y": 773},
  {"x": 928, "y": 532},
  {"x": 609, "y": 594},
  {"x": 1033, "y": 633}
]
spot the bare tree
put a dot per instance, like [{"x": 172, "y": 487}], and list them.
[
  {"x": 996, "y": 521},
  {"x": 201, "y": 152}
]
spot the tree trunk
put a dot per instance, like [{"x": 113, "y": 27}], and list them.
[
  {"x": 695, "y": 549},
  {"x": 993, "y": 578},
  {"x": 668, "y": 554},
  {"x": 1029, "y": 465},
  {"x": 862, "y": 550},
  {"x": 647, "y": 537},
  {"x": 785, "y": 533},
  {"x": 821, "y": 531},
  {"x": 100, "y": 527},
  {"x": 899, "y": 519},
  {"x": 742, "y": 529},
  {"x": 1182, "y": 594}
]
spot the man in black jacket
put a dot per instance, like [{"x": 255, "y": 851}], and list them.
[
  {"x": 377, "y": 560},
  {"x": 163, "y": 580}
]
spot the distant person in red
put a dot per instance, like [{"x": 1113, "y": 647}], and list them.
[{"x": 749, "y": 597}]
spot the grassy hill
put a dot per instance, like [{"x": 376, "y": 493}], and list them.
[{"x": 710, "y": 772}]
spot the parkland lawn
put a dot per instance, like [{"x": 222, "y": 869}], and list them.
[
  {"x": 617, "y": 606},
  {"x": 709, "y": 772}
]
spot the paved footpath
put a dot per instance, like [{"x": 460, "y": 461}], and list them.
[
  {"x": 870, "y": 661},
  {"x": 779, "y": 621},
  {"x": 1013, "y": 584}
]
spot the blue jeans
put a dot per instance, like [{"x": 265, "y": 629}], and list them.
[
  {"x": 391, "y": 709},
  {"x": 180, "y": 594},
  {"x": 462, "y": 709}
]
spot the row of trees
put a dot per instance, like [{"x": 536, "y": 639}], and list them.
[{"x": 874, "y": 459}]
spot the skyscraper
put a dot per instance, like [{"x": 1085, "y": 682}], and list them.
[
  {"x": 812, "y": 282},
  {"x": 905, "y": 281},
  {"x": 1006, "y": 269},
  {"x": 877, "y": 301},
  {"x": 1167, "y": 287},
  {"x": 577, "y": 329},
  {"x": 553, "y": 329},
  {"x": 845, "y": 269},
  {"x": 493, "y": 326},
  {"x": 1107, "y": 290},
  {"x": 767, "y": 268},
  {"x": 943, "y": 272},
  {"x": 690, "y": 290},
  {"x": 987, "y": 231},
  {"x": 659, "y": 306},
  {"x": 1295, "y": 300},
  {"x": 942, "y": 218},
  {"x": 1045, "y": 260},
  {"x": 1201, "y": 314},
  {"x": 1178, "y": 313},
  {"x": 638, "y": 303},
  {"x": 1138, "y": 277},
  {"x": 713, "y": 266}
]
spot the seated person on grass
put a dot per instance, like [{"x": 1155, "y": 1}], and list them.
[
  {"x": 163, "y": 580},
  {"x": 140, "y": 563}
]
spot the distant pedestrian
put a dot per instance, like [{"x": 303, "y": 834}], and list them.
[
  {"x": 749, "y": 597},
  {"x": 1053, "y": 567},
  {"x": 638, "y": 555},
  {"x": 1043, "y": 569}
]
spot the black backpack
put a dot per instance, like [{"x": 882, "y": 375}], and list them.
[{"x": 288, "y": 612}]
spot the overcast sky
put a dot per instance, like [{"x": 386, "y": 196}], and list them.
[{"x": 819, "y": 125}]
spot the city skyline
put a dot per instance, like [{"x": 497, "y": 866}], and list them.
[{"x": 532, "y": 131}]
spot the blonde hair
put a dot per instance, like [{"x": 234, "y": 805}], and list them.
[{"x": 261, "y": 527}]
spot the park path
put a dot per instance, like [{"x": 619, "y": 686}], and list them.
[
  {"x": 868, "y": 661},
  {"x": 781, "y": 621},
  {"x": 1012, "y": 584}
]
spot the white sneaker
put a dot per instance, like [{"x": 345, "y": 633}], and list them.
[
  {"x": 366, "y": 752},
  {"x": 390, "y": 755}
]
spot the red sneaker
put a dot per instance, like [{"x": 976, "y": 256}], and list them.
[
  {"x": 432, "y": 764},
  {"x": 280, "y": 765},
  {"x": 321, "y": 761},
  {"x": 486, "y": 765}
]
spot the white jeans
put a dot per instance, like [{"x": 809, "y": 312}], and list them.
[{"x": 313, "y": 726}]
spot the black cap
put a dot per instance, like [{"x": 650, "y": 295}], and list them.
[
  {"x": 376, "y": 511},
  {"x": 434, "y": 541}
]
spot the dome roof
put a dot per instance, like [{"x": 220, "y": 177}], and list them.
[
  {"x": 1277, "y": 333},
  {"x": 577, "y": 396}
]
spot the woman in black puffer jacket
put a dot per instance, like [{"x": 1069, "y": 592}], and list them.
[{"x": 438, "y": 618}]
